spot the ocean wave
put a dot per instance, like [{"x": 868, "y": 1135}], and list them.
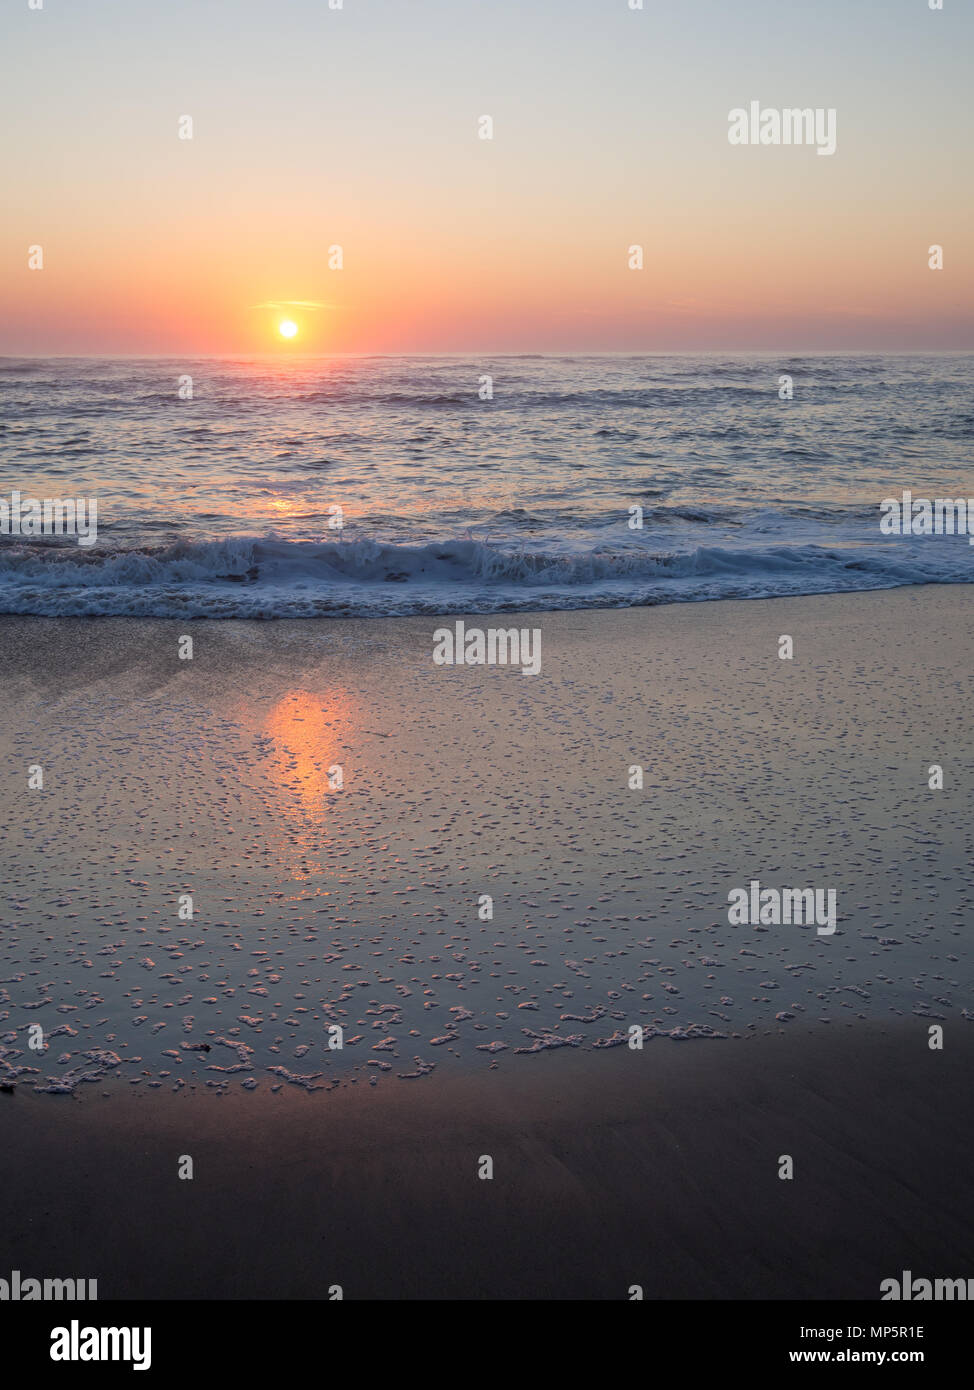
[{"x": 261, "y": 577}]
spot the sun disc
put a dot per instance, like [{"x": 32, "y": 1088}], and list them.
[{"x": 287, "y": 328}]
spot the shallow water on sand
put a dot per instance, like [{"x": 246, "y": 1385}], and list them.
[{"x": 359, "y": 907}]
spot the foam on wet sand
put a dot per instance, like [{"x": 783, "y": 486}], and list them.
[
  {"x": 358, "y": 907},
  {"x": 316, "y": 907}
]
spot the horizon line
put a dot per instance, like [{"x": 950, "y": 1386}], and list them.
[{"x": 280, "y": 356}]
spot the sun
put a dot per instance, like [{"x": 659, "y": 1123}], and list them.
[{"x": 287, "y": 328}]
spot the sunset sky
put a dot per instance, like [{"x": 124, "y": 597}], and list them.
[{"x": 358, "y": 127}]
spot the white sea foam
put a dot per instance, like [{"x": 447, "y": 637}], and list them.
[{"x": 271, "y": 578}]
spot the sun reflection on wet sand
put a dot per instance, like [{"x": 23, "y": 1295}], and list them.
[{"x": 307, "y": 736}]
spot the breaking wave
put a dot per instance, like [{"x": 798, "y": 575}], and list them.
[{"x": 254, "y": 577}]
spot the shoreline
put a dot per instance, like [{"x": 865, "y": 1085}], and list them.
[
  {"x": 349, "y": 609},
  {"x": 730, "y": 602}
]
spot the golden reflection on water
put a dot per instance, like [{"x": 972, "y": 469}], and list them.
[
  {"x": 309, "y": 736},
  {"x": 299, "y": 739}
]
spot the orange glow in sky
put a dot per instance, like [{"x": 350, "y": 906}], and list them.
[{"x": 358, "y": 208}]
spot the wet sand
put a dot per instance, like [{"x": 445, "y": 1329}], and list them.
[
  {"x": 316, "y": 907},
  {"x": 657, "y": 1168}
]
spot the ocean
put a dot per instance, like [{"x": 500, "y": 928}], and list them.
[{"x": 227, "y": 503}]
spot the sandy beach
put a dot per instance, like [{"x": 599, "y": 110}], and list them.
[
  {"x": 358, "y": 906},
  {"x": 657, "y": 1169}
]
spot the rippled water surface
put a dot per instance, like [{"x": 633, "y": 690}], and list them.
[{"x": 222, "y": 505}]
